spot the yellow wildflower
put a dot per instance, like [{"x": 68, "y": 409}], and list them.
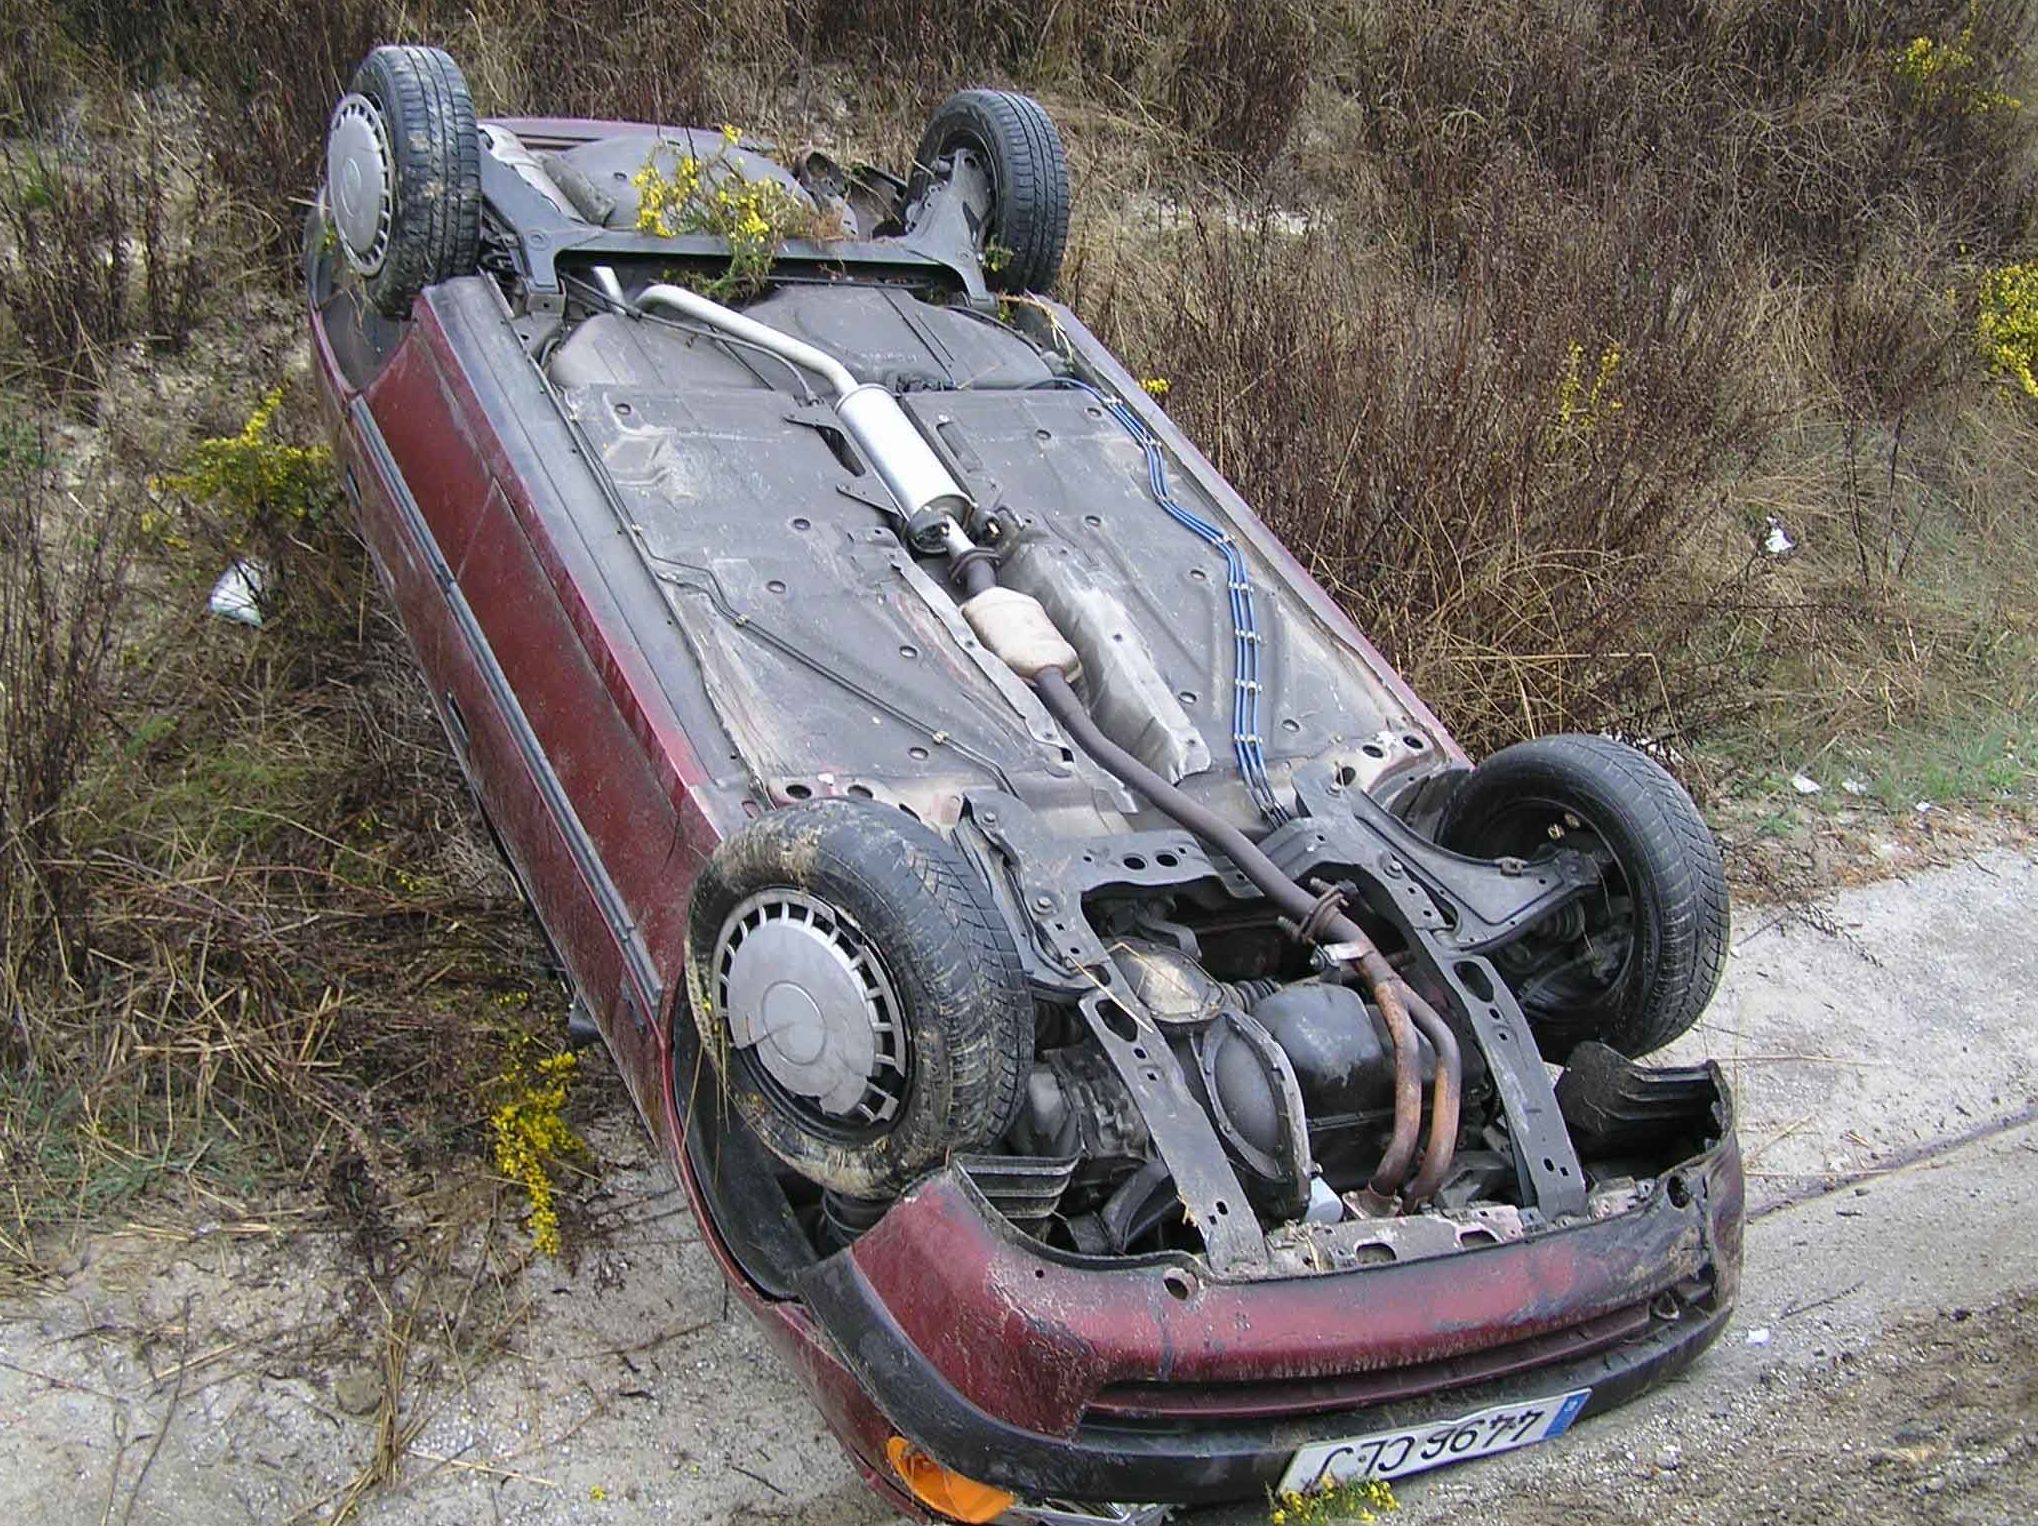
[
  {"x": 1935, "y": 74},
  {"x": 532, "y": 1136},
  {"x": 1582, "y": 405},
  {"x": 715, "y": 197},
  {"x": 2006, "y": 324}
]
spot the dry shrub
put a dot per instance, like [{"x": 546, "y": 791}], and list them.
[
  {"x": 1790, "y": 126},
  {"x": 66, "y": 274},
  {"x": 64, "y": 562},
  {"x": 1229, "y": 78},
  {"x": 1908, "y": 621},
  {"x": 288, "y": 939},
  {"x": 268, "y": 73},
  {"x": 1242, "y": 76},
  {"x": 1759, "y": 209},
  {"x": 1497, "y": 466},
  {"x": 998, "y": 36},
  {"x": 100, "y": 247},
  {"x": 144, "y": 39},
  {"x": 636, "y": 59},
  {"x": 263, "y": 75},
  {"x": 36, "y": 78},
  {"x": 1898, "y": 324}
]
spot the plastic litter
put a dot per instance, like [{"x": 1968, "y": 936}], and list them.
[
  {"x": 239, "y": 593},
  {"x": 1805, "y": 784}
]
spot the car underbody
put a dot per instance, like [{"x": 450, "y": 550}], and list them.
[{"x": 1102, "y": 1039}]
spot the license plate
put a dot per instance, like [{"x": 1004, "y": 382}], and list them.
[{"x": 1396, "y": 1454}]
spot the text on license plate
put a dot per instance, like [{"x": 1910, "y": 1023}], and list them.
[{"x": 1394, "y": 1454}]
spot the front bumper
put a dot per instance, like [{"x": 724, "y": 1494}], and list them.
[{"x": 1051, "y": 1376}]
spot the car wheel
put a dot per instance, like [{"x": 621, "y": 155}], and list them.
[
  {"x": 403, "y": 175},
  {"x": 859, "y": 992},
  {"x": 1634, "y": 963},
  {"x": 1028, "y": 225}
]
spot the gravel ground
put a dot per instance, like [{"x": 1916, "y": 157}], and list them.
[
  {"x": 1934, "y": 1418},
  {"x": 1883, "y": 1367}
]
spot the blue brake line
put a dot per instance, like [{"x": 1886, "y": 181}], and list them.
[{"x": 1247, "y": 746}]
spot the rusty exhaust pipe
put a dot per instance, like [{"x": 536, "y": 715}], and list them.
[
  {"x": 1445, "y": 1094},
  {"x": 1031, "y": 652}
]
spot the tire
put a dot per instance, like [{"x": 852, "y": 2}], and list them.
[
  {"x": 896, "y": 901},
  {"x": 1634, "y": 965},
  {"x": 403, "y": 175},
  {"x": 1029, "y": 219}
]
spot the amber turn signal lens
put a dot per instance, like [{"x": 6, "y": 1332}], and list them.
[{"x": 944, "y": 1489}]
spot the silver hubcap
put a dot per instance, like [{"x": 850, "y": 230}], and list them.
[
  {"x": 802, "y": 990},
  {"x": 358, "y": 182}
]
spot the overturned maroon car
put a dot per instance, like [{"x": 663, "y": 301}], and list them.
[{"x": 1111, "y": 1038}]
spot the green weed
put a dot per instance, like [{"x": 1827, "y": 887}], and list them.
[
  {"x": 254, "y": 478},
  {"x": 678, "y": 193},
  {"x": 1360, "y": 1503}
]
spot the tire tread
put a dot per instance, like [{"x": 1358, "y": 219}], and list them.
[
  {"x": 435, "y": 223},
  {"x": 1031, "y": 217}
]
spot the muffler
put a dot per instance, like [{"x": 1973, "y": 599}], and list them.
[{"x": 925, "y": 489}]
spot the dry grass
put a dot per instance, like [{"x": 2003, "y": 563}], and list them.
[
  {"x": 268, "y": 934},
  {"x": 64, "y": 569}
]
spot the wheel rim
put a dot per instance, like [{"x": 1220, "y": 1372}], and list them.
[
  {"x": 359, "y": 168},
  {"x": 812, "y": 1015},
  {"x": 1576, "y": 959}
]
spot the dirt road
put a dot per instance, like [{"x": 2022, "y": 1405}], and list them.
[{"x": 1884, "y": 1365}]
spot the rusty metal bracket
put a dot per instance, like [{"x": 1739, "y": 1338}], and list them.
[
  {"x": 1049, "y": 876},
  {"x": 1053, "y": 874},
  {"x": 1473, "y": 904},
  {"x": 538, "y": 234},
  {"x": 1545, "y": 1161},
  {"x": 1181, "y": 1131}
]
